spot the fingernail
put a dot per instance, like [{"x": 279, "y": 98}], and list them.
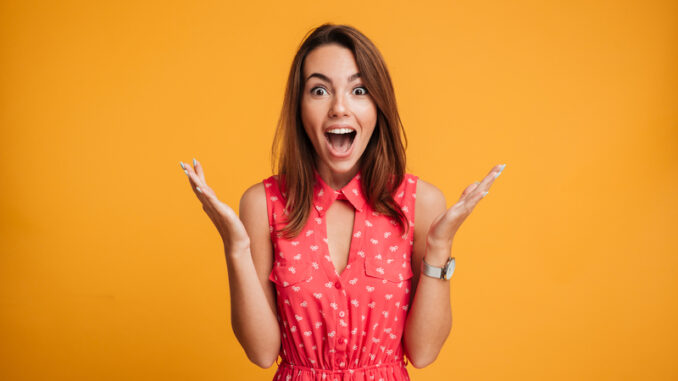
[
  {"x": 485, "y": 194},
  {"x": 182, "y": 165},
  {"x": 186, "y": 172},
  {"x": 194, "y": 162},
  {"x": 198, "y": 189},
  {"x": 500, "y": 170}
]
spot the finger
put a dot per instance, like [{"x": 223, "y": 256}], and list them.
[
  {"x": 485, "y": 184},
  {"x": 491, "y": 176},
  {"x": 473, "y": 199},
  {"x": 469, "y": 189},
  {"x": 201, "y": 175},
  {"x": 196, "y": 183},
  {"x": 199, "y": 171}
]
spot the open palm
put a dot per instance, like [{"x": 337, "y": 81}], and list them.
[
  {"x": 228, "y": 224},
  {"x": 445, "y": 226}
]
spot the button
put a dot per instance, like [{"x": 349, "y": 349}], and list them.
[{"x": 337, "y": 284}]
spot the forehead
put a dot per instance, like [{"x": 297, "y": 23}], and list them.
[{"x": 333, "y": 60}]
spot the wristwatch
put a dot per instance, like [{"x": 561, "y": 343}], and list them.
[{"x": 444, "y": 272}]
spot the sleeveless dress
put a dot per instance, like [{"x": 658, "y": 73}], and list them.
[{"x": 346, "y": 326}]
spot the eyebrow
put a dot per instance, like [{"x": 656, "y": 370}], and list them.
[{"x": 324, "y": 77}]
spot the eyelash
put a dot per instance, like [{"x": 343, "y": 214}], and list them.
[
  {"x": 364, "y": 89},
  {"x": 314, "y": 89},
  {"x": 359, "y": 87}
]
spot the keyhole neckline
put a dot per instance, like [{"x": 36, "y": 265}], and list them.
[
  {"x": 324, "y": 195},
  {"x": 355, "y": 244}
]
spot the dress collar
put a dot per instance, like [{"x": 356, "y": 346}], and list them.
[{"x": 324, "y": 195}]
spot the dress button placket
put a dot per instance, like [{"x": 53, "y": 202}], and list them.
[
  {"x": 340, "y": 317},
  {"x": 344, "y": 312}
]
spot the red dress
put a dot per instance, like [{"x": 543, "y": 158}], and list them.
[{"x": 346, "y": 326}]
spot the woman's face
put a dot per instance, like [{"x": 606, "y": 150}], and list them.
[{"x": 337, "y": 113}]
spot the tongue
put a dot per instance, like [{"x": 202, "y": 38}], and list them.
[{"x": 340, "y": 142}]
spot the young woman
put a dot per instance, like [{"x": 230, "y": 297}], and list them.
[{"x": 325, "y": 261}]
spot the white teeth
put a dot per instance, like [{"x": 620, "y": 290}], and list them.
[{"x": 340, "y": 131}]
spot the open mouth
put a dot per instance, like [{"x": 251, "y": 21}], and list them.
[{"x": 340, "y": 139}]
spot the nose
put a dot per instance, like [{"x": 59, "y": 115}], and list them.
[{"x": 339, "y": 106}]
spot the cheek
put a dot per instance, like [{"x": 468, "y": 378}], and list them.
[
  {"x": 311, "y": 114},
  {"x": 306, "y": 117},
  {"x": 368, "y": 116},
  {"x": 310, "y": 122}
]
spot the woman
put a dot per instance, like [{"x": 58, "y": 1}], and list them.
[{"x": 324, "y": 263}]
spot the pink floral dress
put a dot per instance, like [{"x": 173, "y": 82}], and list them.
[{"x": 346, "y": 326}]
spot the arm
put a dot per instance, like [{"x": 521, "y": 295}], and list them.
[
  {"x": 249, "y": 260},
  {"x": 253, "y": 303},
  {"x": 429, "y": 320}
]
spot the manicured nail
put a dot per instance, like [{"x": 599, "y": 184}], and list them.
[
  {"x": 500, "y": 170},
  {"x": 186, "y": 172},
  {"x": 485, "y": 194},
  {"x": 194, "y": 162},
  {"x": 198, "y": 189},
  {"x": 182, "y": 165}
]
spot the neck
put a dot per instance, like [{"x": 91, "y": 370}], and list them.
[{"x": 336, "y": 180}]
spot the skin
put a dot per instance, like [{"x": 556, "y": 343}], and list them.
[
  {"x": 247, "y": 244},
  {"x": 341, "y": 100}
]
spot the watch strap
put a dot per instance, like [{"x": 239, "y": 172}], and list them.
[{"x": 438, "y": 272}]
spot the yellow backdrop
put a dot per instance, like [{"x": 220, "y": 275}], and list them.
[{"x": 110, "y": 270}]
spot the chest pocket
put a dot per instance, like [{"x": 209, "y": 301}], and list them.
[
  {"x": 394, "y": 267},
  {"x": 289, "y": 272}
]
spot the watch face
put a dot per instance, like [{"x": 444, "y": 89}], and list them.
[{"x": 449, "y": 270}]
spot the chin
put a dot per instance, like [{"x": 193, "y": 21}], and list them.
[{"x": 343, "y": 166}]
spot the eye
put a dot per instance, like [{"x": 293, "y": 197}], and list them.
[
  {"x": 362, "y": 90},
  {"x": 315, "y": 90}
]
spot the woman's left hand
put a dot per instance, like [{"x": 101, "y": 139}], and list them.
[{"x": 445, "y": 226}]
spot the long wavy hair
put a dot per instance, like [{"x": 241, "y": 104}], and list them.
[{"x": 382, "y": 165}]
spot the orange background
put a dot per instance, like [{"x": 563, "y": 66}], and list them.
[{"x": 110, "y": 270}]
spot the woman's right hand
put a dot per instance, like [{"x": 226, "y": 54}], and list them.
[{"x": 228, "y": 224}]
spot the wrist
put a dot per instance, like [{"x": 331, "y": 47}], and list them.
[
  {"x": 235, "y": 249},
  {"x": 443, "y": 272},
  {"x": 437, "y": 255},
  {"x": 438, "y": 243}
]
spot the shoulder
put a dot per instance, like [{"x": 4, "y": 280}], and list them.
[
  {"x": 253, "y": 201},
  {"x": 430, "y": 203},
  {"x": 254, "y": 193},
  {"x": 429, "y": 194}
]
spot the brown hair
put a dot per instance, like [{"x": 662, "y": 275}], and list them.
[{"x": 382, "y": 165}]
